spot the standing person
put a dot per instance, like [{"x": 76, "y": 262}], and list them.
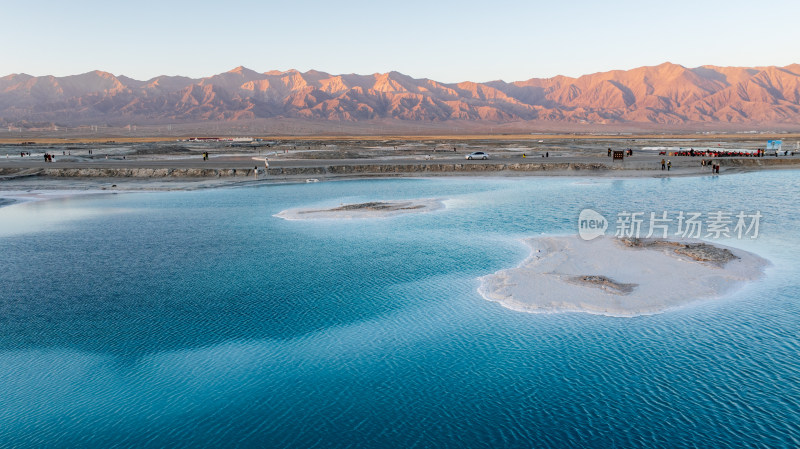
[
  {"x": 669, "y": 165},
  {"x": 663, "y": 164}
]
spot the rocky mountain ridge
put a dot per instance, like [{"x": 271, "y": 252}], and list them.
[{"x": 668, "y": 94}]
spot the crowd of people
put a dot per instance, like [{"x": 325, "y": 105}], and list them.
[{"x": 719, "y": 153}]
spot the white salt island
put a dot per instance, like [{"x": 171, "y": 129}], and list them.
[
  {"x": 619, "y": 277},
  {"x": 372, "y": 209}
]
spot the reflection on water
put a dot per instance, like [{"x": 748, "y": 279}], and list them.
[{"x": 58, "y": 214}]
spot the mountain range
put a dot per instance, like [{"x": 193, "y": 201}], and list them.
[{"x": 666, "y": 94}]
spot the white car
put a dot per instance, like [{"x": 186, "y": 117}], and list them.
[{"x": 477, "y": 155}]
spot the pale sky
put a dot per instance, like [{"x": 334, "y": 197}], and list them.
[{"x": 447, "y": 41}]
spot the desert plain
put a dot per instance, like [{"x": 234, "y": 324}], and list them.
[{"x": 146, "y": 163}]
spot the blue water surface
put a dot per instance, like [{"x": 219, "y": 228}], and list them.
[{"x": 198, "y": 319}]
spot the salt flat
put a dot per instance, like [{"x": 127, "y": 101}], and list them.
[
  {"x": 609, "y": 276},
  {"x": 372, "y": 209}
]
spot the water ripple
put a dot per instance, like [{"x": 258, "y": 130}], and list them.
[{"x": 196, "y": 319}]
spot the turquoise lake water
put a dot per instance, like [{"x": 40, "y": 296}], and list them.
[{"x": 197, "y": 319}]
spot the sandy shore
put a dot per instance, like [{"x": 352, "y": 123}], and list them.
[{"x": 609, "y": 277}]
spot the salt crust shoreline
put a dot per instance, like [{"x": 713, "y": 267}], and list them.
[
  {"x": 9, "y": 198},
  {"x": 373, "y": 209},
  {"x": 607, "y": 276}
]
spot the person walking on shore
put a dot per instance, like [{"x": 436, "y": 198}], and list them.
[
  {"x": 669, "y": 165},
  {"x": 663, "y": 164}
]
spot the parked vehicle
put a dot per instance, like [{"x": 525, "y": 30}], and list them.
[{"x": 477, "y": 155}]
